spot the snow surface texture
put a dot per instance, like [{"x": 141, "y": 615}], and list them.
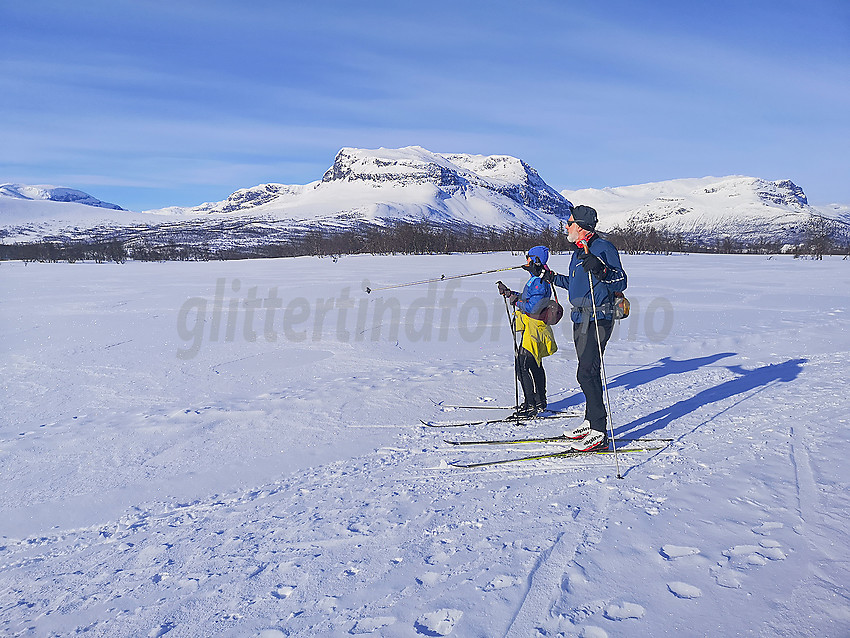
[{"x": 260, "y": 487}]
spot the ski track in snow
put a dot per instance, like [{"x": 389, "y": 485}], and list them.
[{"x": 308, "y": 501}]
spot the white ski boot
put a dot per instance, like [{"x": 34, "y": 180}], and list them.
[
  {"x": 595, "y": 440},
  {"x": 578, "y": 433}
]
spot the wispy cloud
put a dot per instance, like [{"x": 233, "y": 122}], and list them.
[{"x": 592, "y": 94}]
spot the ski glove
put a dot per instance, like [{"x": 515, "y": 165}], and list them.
[
  {"x": 592, "y": 264},
  {"x": 549, "y": 276},
  {"x": 503, "y": 289}
]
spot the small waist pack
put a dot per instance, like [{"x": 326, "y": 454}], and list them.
[
  {"x": 552, "y": 313},
  {"x": 621, "y": 306}
]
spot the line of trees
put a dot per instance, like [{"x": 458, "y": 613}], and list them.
[
  {"x": 55, "y": 251},
  {"x": 821, "y": 237}
]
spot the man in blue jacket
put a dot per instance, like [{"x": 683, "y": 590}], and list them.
[{"x": 595, "y": 258}]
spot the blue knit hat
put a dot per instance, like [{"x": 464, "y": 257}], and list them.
[{"x": 541, "y": 252}]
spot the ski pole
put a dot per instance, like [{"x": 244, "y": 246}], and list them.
[
  {"x": 440, "y": 278},
  {"x": 602, "y": 366},
  {"x": 512, "y": 326}
]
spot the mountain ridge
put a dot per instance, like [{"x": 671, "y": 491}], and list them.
[
  {"x": 411, "y": 184},
  {"x": 748, "y": 208},
  {"x": 47, "y": 192}
]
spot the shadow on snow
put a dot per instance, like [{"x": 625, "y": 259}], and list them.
[
  {"x": 747, "y": 384},
  {"x": 635, "y": 378}
]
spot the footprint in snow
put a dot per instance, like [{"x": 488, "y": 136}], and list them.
[
  {"x": 574, "y": 578},
  {"x": 725, "y": 577},
  {"x": 438, "y": 623},
  {"x": 767, "y": 527},
  {"x": 283, "y": 592},
  {"x": 683, "y": 590},
  {"x": 500, "y": 582},
  {"x": 624, "y": 611},
  {"x": 772, "y": 549},
  {"x": 438, "y": 558},
  {"x": 371, "y": 625},
  {"x": 161, "y": 630},
  {"x": 746, "y": 556},
  {"x": 672, "y": 552},
  {"x": 431, "y": 578}
]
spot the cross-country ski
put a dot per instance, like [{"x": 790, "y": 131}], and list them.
[
  {"x": 565, "y": 454},
  {"x": 550, "y": 439},
  {"x": 519, "y": 420}
]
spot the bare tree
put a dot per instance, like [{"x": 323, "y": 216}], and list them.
[{"x": 819, "y": 234}]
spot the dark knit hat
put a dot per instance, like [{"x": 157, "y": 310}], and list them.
[{"x": 585, "y": 217}]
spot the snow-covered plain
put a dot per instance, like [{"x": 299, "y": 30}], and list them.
[{"x": 173, "y": 464}]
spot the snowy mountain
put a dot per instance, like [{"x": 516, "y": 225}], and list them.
[
  {"x": 747, "y": 208},
  {"x": 406, "y": 184},
  {"x": 411, "y": 184},
  {"x": 362, "y": 187},
  {"x": 52, "y": 194}
]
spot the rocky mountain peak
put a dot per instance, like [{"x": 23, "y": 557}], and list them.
[
  {"x": 784, "y": 192},
  {"x": 453, "y": 174}
]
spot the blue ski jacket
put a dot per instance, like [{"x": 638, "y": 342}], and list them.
[
  {"x": 534, "y": 296},
  {"x": 576, "y": 282}
]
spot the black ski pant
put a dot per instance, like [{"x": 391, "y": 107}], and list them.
[
  {"x": 531, "y": 377},
  {"x": 589, "y": 374}
]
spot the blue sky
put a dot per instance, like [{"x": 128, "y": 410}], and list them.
[{"x": 150, "y": 103}]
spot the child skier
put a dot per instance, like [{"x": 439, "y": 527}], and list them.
[{"x": 538, "y": 341}]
